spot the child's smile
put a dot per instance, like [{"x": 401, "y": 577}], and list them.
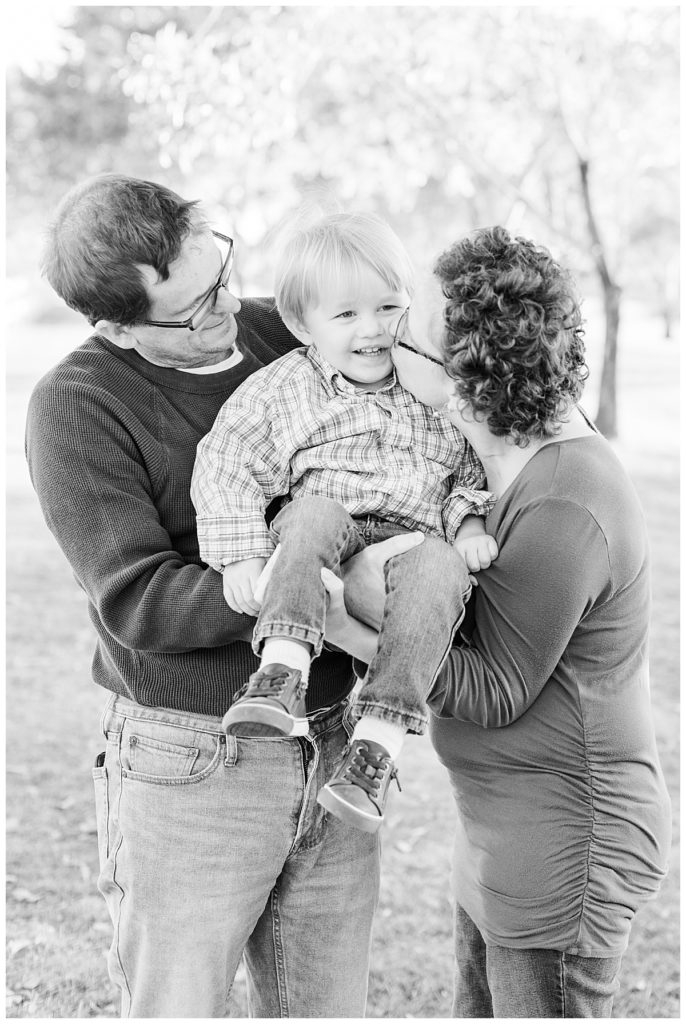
[{"x": 352, "y": 326}]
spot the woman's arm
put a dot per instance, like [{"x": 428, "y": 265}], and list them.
[{"x": 551, "y": 569}]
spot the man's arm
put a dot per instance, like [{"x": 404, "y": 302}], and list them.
[
  {"x": 98, "y": 501},
  {"x": 363, "y": 576}
]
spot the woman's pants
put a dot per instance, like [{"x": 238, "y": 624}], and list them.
[{"x": 495, "y": 981}]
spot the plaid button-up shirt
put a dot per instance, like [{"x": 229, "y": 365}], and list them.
[{"x": 297, "y": 427}]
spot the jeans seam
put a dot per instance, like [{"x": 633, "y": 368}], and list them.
[
  {"x": 562, "y": 984},
  {"x": 279, "y": 961},
  {"x": 309, "y": 775},
  {"x": 115, "y": 851}
]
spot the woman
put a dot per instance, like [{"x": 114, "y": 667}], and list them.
[{"x": 542, "y": 715}]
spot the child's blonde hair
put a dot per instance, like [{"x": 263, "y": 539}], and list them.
[{"x": 336, "y": 247}]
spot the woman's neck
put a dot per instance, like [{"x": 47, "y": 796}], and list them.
[{"x": 503, "y": 460}]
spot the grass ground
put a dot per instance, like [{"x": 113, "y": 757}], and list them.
[{"x": 57, "y": 926}]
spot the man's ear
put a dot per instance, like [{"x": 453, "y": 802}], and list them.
[
  {"x": 124, "y": 337},
  {"x": 299, "y": 330}
]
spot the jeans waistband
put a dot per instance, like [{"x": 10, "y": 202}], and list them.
[{"x": 320, "y": 720}]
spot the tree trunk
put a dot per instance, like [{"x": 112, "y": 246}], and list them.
[
  {"x": 606, "y": 417},
  {"x": 667, "y": 321}
]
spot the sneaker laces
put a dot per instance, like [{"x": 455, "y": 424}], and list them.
[
  {"x": 368, "y": 769},
  {"x": 267, "y": 685}
]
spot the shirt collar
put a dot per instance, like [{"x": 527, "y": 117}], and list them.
[{"x": 334, "y": 380}]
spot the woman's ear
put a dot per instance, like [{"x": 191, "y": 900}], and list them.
[{"x": 123, "y": 337}]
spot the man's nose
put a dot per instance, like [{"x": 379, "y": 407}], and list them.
[{"x": 226, "y": 301}]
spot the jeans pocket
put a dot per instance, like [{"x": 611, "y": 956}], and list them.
[
  {"x": 151, "y": 752},
  {"x": 99, "y": 774},
  {"x": 148, "y": 756}
]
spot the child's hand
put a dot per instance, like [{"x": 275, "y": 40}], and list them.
[
  {"x": 478, "y": 551},
  {"x": 240, "y": 579}
]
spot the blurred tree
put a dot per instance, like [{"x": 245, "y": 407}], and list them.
[
  {"x": 551, "y": 121},
  {"x": 440, "y": 118},
  {"x": 72, "y": 118}
]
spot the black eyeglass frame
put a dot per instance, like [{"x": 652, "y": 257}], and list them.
[
  {"x": 401, "y": 326},
  {"x": 208, "y": 300}
]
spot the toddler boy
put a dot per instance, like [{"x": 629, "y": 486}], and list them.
[{"x": 356, "y": 459}]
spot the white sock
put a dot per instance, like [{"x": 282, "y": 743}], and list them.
[
  {"x": 286, "y": 652},
  {"x": 380, "y": 730}
]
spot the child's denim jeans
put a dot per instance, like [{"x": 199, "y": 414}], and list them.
[{"x": 426, "y": 588}]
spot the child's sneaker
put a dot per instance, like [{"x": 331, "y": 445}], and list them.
[
  {"x": 357, "y": 792},
  {"x": 272, "y": 703}
]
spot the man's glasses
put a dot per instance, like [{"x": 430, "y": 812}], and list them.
[
  {"x": 198, "y": 318},
  {"x": 401, "y": 336}
]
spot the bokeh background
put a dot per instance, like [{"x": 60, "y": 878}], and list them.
[{"x": 560, "y": 122}]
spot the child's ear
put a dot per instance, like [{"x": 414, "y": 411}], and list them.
[{"x": 299, "y": 330}]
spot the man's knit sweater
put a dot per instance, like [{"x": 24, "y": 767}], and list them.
[{"x": 111, "y": 442}]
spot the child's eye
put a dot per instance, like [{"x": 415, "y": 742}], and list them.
[
  {"x": 346, "y": 314},
  {"x": 390, "y": 308}
]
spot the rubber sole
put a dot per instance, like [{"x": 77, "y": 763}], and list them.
[
  {"x": 254, "y": 718},
  {"x": 346, "y": 812}
]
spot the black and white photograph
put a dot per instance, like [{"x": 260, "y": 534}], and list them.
[{"x": 342, "y": 511}]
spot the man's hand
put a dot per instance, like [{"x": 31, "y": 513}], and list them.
[
  {"x": 240, "y": 580},
  {"x": 478, "y": 551},
  {"x": 363, "y": 576}
]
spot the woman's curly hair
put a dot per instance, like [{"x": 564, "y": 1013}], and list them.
[{"x": 514, "y": 336}]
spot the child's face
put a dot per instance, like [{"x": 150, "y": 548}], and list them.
[{"x": 352, "y": 327}]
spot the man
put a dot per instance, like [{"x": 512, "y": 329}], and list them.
[{"x": 211, "y": 847}]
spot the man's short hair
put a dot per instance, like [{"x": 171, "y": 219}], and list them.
[
  {"x": 103, "y": 229},
  {"x": 336, "y": 248}
]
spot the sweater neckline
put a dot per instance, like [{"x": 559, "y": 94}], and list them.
[
  {"x": 194, "y": 383},
  {"x": 550, "y": 446}
]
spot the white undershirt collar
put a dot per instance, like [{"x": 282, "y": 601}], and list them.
[{"x": 225, "y": 364}]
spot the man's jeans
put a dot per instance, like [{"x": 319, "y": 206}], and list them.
[
  {"x": 494, "y": 981},
  {"x": 426, "y": 588},
  {"x": 214, "y": 847}
]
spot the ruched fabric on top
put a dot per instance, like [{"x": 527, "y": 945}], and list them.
[{"x": 544, "y": 718}]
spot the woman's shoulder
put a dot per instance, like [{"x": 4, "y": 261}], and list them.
[
  {"x": 577, "y": 489},
  {"x": 588, "y": 471}
]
